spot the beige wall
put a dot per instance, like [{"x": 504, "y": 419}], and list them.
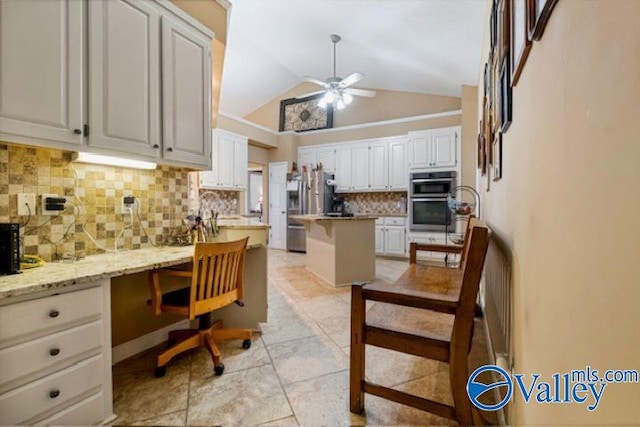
[
  {"x": 469, "y": 134},
  {"x": 567, "y": 206},
  {"x": 386, "y": 105}
]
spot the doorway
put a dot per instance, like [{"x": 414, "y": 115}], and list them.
[{"x": 278, "y": 204}]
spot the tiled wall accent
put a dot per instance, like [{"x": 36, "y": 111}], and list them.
[
  {"x": 95, "y": 198},
  {"x": 224, "y": 202},
  {"x": 378, "y": 203}
]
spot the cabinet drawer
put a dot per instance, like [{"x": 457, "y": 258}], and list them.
[
  {"x": 19, "y": 405},
  {"x": 399, "y": 221},
  {"x": 44, "y": 314},
  {"x": 380, "y": 221},
  {"x": 42, "y": 353},
  {"x": 86, "y": 412}
]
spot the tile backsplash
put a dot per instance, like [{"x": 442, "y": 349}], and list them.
[
  {"x": 94, "y": 204},
  {"x": 378, "y": 203}
]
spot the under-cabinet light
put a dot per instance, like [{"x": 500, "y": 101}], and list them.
[{"x": 111, "y": 161}]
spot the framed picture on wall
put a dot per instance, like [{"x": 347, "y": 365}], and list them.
[
  {"x": 505, "y": 95},
  {"x": 497, "y": 157},
  {"x": 541, "y": 10},
  {"x": 496, "y": 94},
  {"x": 305, "y": 114},
  {"x": 504, "y": 28},
  {"x": 521, "y": 13},
  {"x": 494, "y": 24}
]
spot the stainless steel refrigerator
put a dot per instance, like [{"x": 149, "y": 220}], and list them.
[{"x": 307, "y": 193}]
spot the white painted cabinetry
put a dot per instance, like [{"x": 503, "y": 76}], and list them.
[
  {"x": 230, "y": 162},
  {"x": 379, "y": 166},
  {"x": 148, "y": 79},
  {"x": 398, "y": 164},
  {"x": 42, "y": 51},
  {"x": 360, "y": 167},
  {"x": 55, "y": 359},
  {"x": 307, "y": 156},
  {"x": 311, "y": 156},
  {"x": 435, "y": 148},
  {"x": 428, "y": 238},
  {"x": 327, "y": 156},
  {"x": 391, "y": 236},
  {"x": 344, "y": 169}
]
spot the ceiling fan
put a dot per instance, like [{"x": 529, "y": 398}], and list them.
[{"x": 337, "y": 90}]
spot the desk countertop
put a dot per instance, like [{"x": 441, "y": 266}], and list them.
[
  {"x": 95, "y": 267},
  {"x": 332, "y": 218}
]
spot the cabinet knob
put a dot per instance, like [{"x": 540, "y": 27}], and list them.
[
  {"x": 54, "y": 393},
  {"x": 54, "y": 313},
  {"x": 156, "y": 145},
  {"x": 54, "y": 351},
  {"x": 77, "y": 131},
  {"x": 169, "y": 149}
]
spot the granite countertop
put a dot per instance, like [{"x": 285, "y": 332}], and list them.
[
  {"x": 394, "y": 215},
  {"x": 240, "y": 223},
  {"x": 333, "y": 218},
  {"x": 95, "y": 267}
]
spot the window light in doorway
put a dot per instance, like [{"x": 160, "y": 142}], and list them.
[{"x": 112, "y": 161}]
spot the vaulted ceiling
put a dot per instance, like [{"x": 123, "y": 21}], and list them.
[{"x": 424, "y": 46}]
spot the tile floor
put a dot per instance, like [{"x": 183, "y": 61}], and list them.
[{"x": 295, "y": 373}]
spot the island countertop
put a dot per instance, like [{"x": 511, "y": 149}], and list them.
[
  {"x": 332, "y": 218},
  {"x": 94, "y": 267}
]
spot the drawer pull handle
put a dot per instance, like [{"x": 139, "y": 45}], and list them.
[
  {"x": 54, "y": 313},
  {"x": 54, "y": 351},
  {"x": 54, "y": 393}
]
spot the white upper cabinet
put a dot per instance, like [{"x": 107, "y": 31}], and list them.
[
  {"x": 186, "y": 93},
  {"x": 144, "y": 91},
  {"x": 327, "y": 156},
  {"x": 125, "y": 76},
  {"x": 41, "y": 71},
  {"x": 436, "y": 148},
  {"x": 307, "y": 157},
  {"x": 379, "y": 166},
  {"x": 230, "y": 162},
  {"x": 343, "y": 169},
  {"x": 360, "y": 167},
  {"x": 398, "y": 166}
]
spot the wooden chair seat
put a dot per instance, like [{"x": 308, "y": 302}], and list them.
[{"x": 392, "y": 323}]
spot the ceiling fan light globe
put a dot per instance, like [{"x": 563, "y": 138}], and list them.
[
  {"x": 328, "y": 98},
  {"x": 340, "y": 104},
  {"x": 322, "y": 103},
  {"x": 347, "y": 98}
]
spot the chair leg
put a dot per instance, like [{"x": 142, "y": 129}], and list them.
[
  {"x": 230, "y": 334},
  {"x": 458, "y": 375},
  {"x": 213, "y": 349},
  {"x": 357, "y": 355},
  {"x": 192, "y": 341}
]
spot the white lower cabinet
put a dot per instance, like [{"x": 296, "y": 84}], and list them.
[
  {"x": 391, "y": 236},
  {"x": 428, "y": 238},
  {"x": 55, "y": 358}
]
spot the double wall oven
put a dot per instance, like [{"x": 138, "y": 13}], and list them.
[{"x": 428, "y": 209}]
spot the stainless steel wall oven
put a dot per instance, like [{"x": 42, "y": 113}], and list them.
[{"x": 428, "y": 210}]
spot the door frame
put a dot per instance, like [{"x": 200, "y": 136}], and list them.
[{"x": 272, "y": 216}]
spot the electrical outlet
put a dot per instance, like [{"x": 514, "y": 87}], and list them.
[
  {"x": 43, "y": 201},
  {"x": 127, "y": 204},
  {"x": 26, "y": 204}
]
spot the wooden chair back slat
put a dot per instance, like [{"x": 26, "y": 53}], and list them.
[{"x": 217, "y": 270}]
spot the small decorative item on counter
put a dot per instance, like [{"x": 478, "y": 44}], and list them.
[{"x": 31, "y": 261}]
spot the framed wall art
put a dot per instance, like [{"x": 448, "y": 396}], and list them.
[
  {"x": 505, "y": 95},
  {"x": 504, "y": 28},
  {"x": 541, "y": 10},
  {"x": 497, "y": 157},
  {"x": 305, "y": 114},
  {"x": 521, "y": 13}
]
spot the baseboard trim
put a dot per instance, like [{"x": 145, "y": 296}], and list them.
[{"x": 140, "y": 344}]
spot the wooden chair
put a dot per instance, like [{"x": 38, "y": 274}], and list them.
[
  {"x": 429, "y": 288},
  {"x": 216, "y": 281},
  {"x": 435, "y": 247}
]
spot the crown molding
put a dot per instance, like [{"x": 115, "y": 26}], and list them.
[{"x": 343, "y": 128}]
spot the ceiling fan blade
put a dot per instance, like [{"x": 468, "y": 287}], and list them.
[
  {"x": 361, "y": 92},
  {"x": 313, "y": 80},
  {"x": 305, "y": 95},
  {"x": 350, "y": 79}
]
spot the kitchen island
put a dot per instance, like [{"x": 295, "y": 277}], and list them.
[{"x": 340, "y": 250}]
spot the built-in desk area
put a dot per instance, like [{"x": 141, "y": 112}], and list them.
[{"x": 56, "y": 324}]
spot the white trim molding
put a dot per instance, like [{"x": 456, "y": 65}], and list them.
[
  {"x": 140, "y": 344},
  {"x": 343, "y": 128}
]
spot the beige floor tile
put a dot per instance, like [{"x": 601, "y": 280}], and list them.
[
  {"x": 326, "y": 307},
  {"x": 285, "y": 422},
  {"x": 248, "y": 397},
  {"x": 173, "y": 419},
  {"x": 389, "y": 368},
  {"x": 287, "y": 327},
  {"x": 338, "y": 329},
  {"x": 322, "y": 401},
  {"x": 140, "y": 396},
  {"x": 234, "y": 357},
  {"x": 306, "y": 358}
]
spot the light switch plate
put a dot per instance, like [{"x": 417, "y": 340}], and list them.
[
  {"x": 45, "y": 211},
  {"x": 26, "y": 204}
]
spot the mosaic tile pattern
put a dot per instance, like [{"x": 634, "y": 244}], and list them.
[
  {"x": 94, "y": 198},
  {"x": 378, "y": 203},
  {"x": 225, "y": 202}
]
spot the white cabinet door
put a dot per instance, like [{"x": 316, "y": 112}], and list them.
[
  {"x": 395, "y": 240},
  {"x": 379, "y": 240},
  {"x": 443, "y": 152},
  {"x": 241, "y": 164},
  {"x": 327, "y": 156},
  {"x": 186, "y": 94},
  {"x": 420, "y": 150},
  {"x": 360, "y": 167},
  {"x": 225, "y": 163},
  {"x": 41, "y": 70},
  {"x": 125, "y": 77},
  {"x": 379, "y": 166},
  {"x": 343, "y": 169},
  {"x": 307, "y": 157},
  {"x": 398, "y": 167}
]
